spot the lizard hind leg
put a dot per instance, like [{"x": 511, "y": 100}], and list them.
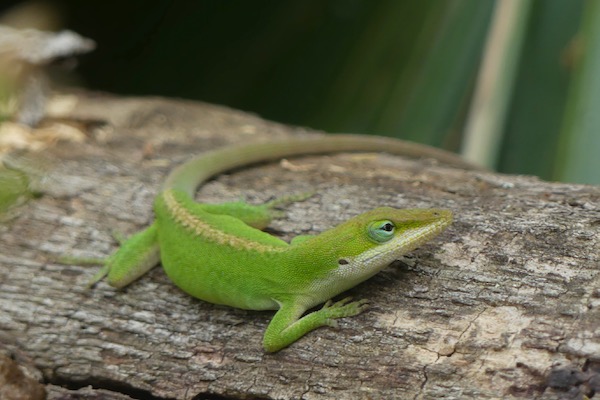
[
  {"x": 70, "y": 260},
  {"x": 106, "y": 262},
  {"x": 136, "y": 256}
]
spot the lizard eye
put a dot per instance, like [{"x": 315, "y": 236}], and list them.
[{"x": 381, "y": 231}]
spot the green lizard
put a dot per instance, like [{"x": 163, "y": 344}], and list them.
[{"x": 217, "y": 252}]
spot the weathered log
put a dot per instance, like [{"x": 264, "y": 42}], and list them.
[{"x": 505, "y": 303}]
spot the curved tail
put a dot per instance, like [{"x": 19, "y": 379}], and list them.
[{"x": 188, "y": 176}]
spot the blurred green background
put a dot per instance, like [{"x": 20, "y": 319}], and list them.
[{"x": 513, "y": 84}]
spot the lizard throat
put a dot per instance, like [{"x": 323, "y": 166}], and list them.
[{"x": 208, "y": 232}]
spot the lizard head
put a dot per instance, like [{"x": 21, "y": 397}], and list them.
[
  {"x": 367, "y": 243},
  {"x": 388, "y": 233},
  {"x": 378, "y": 237}
]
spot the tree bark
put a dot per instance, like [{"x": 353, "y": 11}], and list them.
[{"x": 505, "y": 303}]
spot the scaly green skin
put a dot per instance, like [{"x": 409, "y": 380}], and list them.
[{"x": 217, "y": 253}]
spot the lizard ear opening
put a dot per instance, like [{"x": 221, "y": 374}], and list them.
[{"x": 381, "y": 231}]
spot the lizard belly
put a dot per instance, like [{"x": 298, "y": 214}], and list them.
[
  {"x": 217, "y": 276},
  {"x": 217, "y": 258}
]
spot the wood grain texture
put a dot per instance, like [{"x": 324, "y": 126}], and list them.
[{"x": 505, "y": 303}]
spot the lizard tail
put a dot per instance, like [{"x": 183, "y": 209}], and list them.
[{"x": 188, "y": 176}]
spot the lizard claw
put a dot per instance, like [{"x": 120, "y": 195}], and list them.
[{"x": 344, "y": 308}]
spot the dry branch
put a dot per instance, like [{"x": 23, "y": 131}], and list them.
[{"x": 504, "y": 303}]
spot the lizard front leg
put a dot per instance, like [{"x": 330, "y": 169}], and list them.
[{"x": 288, "y": 325}]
